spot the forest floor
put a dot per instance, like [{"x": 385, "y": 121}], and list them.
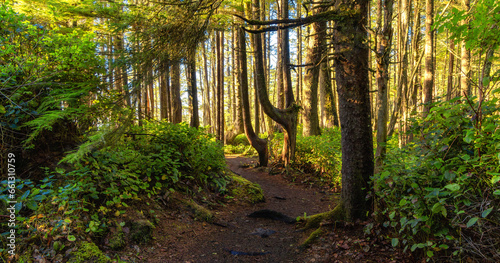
[{"x": 180, "y": 238}]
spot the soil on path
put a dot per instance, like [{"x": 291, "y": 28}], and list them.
[{"x": 181, "y": 239}]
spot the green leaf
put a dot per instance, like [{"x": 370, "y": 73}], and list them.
[
  {"x": 402, "y": 202},
  {"x": 23, "y": 197},
  {"x": 436, "y": 208},
  {"x": 71, "y": 238},
  {"x": 430, "y": 253},
  {"x": 495, "y": 179},
  {"x": 392, "y": 214},
  {"x": 32, "y": 205},
  {"x": 497, "y": 192},
  {"x": 395, "y": 242},
  {"x": 470, "y": 136},
  {"x": 453, "y": 187},
  {"x": 472, "y": 221},
  {"x": 486, "y": 212},
  {"x": 2, "y": 109}
]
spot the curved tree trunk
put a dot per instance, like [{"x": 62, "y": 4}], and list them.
[
  {"x": 285, "y": 117},
  {"x": 259, "y": 144}
]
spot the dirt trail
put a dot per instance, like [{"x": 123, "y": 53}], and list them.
[{"x": 184, "y": 240}]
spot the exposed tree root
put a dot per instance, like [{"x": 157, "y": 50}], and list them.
[{"x": 315, "y": 221}]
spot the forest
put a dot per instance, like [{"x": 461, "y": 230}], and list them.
[{"x": 250, "y": 131}]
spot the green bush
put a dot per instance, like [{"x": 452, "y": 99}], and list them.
[
  {"x": 155, "y": 158},
  {"x": 241, "y": 139},
  {"x": 442, "y": 192},
  {"x": 322, "y": 154}
]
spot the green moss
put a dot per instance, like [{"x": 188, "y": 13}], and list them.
[
  {"x": 333, "y": 215},
  {"x": 243, "y": 189},
  {"x": 141, "y": 231},
  {"x": 89, "y": 252},
  {"x": 312, "y": 237},
  {"x": 200, "y": 212},
  {"x": 117, "y": 241}
]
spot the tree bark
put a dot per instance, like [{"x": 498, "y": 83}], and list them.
[
  {"x": 354, "y": 108},
  {"x": 192, "y": 89},
  {"x": 465, "y": 66},
  {"x": 220, "y": 86},
  {"x": 315, "y": 46},
  {"x": 451, "y": 60},
  {"x": 176, "y": 93},
  {"x": 429, "y": 65},
  {"x": 383, "y": 49},
  {"x": 285, "y": 117},
  {"x": 207, "y": 120},
  {"x": 259, "y": 144}
]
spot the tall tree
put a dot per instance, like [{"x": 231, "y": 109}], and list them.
[
  {"x": 220, "y": 85},
  {"x": 259, "y": 144},
  {"x": 315, "y": 47},
  {"x": 285, "y": 117},
  {"x": 176, "y": 93},
  {"x": 465, "y": 66},
  {"x": 351, "y": 66},
  {"x": 428, "y": 86},
  {"x": 383, "y": 49},
  {"x": 192, "y": 89}
]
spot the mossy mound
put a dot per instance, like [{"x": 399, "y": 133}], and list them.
[
  {"x": 243, "y": 189},
  {"x": 141, "y": 231},
  {"x": 200, "y": 212},
  {"x": 89, "y": 252}
]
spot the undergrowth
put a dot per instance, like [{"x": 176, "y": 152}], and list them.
[
  {"x": 84, "y": 199},
  {"x": 440, "y": 194}
]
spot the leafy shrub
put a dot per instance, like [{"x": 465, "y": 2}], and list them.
[
  {"x": 241, "y": 139},
  {"x": 322, "y": 154},
  {"x": 151, "y": 159},
  {"x": 442, "y": 191}
]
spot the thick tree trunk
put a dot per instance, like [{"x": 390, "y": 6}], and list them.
[
  {"x": 354, "y": 107},
  {"x": 259, "y": 144},
  {"x": 176, "y": 93}
]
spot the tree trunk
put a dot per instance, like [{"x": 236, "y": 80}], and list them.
[
  {"x": 331, "y": 117},
  {"x": 354, "y": 107},
  {"x": 176, "y": 93},
  {"x": 285, "y": 117},
  {"x": 259, "y": 144},
  {"x": 383, "y": 49},
  {"x": 315, "y": 48},
  {"x": 465, "y": 70},
  {"x": 429, "y": 65},
  {"x": 451, "y": 60},
  {"x": 192, "y": 89},
  {"x": 220, "y": 86},
  {"x": 207, "y": 120},
  {"x": 163, "y": 93}
]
